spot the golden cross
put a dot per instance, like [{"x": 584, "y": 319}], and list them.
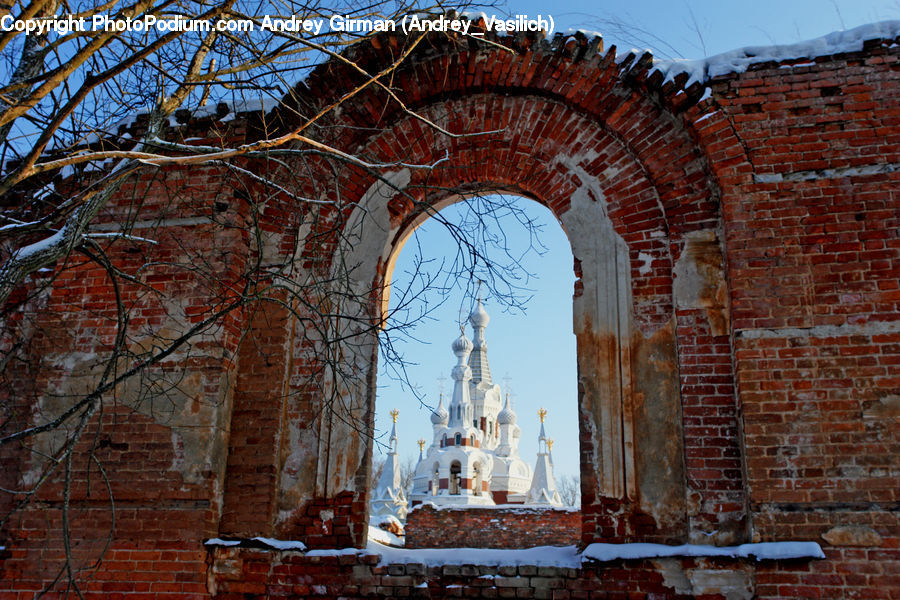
[
  {"x": 394, "y": 414},
  {"x": 550, "y": 445},
  {"x": 421, "y": 443},
  {"x": 542, "y": 413}
]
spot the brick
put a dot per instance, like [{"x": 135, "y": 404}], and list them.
[{"x": 783, "y": 356}]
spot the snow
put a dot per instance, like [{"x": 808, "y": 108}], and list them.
[
  {"x": 517, "y": 508},
  {"x": 546, "y": 556},
  {"x": 568, "y": 556},
  {"x": 94, "y": 166},
  {"x": 125, "y": 236},
  {"x": 737, "y": 61},
  {"x": 384, "y": 520},
  {"x": 128, "y": 121},
  {"x": 261, "y": 103},
  {"x": 57, "y": 239},
  {"x": 17, "y": 225},
  {"x": 280, "y": 544},
  {"x": 44, "y": 191},
  {"x": 385, "y": 537},
  {"x": 707, "y": 115},
  {"x": 621, "y": 55},
  {"x": 588, "y": 33},
  {"x": 220, "y": 542},
  {"x": 341, "y": 552},
  {"x": 762, "y": 551},
  {"x": 541, "y": 556},
  {"x": 270, "y": 542}
]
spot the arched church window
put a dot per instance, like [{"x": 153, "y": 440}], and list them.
[
  {"x": 481, "y": 407},
  {"x": 455, "y": 470}
]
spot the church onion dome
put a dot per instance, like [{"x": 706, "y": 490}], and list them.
[
  {"x": 479, "y": 316},
  {"x": 461, "y": 345},
  {"x": 506, "y": 416},
  {"x": 440, "y": 416}
]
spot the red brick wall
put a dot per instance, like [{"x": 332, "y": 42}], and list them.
[
  {"x": 244, "y": 574},
  {"x": 814, "y": 274},
  {"x": 525, "y": 527},
  {"x": 157, "y": 438},
  {"x": 787, "y": 359}
]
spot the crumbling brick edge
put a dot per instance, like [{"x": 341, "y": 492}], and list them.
[{"x": 243, "y": 569}]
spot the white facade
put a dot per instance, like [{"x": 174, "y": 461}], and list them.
[
  {"x": 388, "y": 497},
  {"x": 543, "y": 484},
  {"x": 474, "y": 457}
]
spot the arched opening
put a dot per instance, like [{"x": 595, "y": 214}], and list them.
[
  {"x": 616, "y": 360},
  {"x": 531, "y": 344},
  {"x": 625, "y": 213},
  {"x": 533, "y": 315},
  {"x": 455, "y": 478}
]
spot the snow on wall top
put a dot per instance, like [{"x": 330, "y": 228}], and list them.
[
  {"x": 568, "y": 556},
  {"x": 506, "y": 508},
  {"x": 552, "y": 556},
  {"x": 737, "y": 61}
]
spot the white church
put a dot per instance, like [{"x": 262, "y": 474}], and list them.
[{"x": 473, "y": 459}]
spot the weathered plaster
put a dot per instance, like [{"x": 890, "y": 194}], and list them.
[
  {"x": 630, "y": 402},
  {"x": 336, "y": 446},
  {"x": 852, "y": 535},
  {"x": 178, "y": 400},
  {"x": 700, "y": 279},
  {"x": 656, "y": 409},
  {"x": 601, "y": 321},
  {"x": 732, "y": 584}
]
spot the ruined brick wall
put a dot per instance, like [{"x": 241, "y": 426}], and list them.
[
  {"x": 813, "y": 255},
  {"x": 753, "y": 395},
  {"x": 244, "y": 574},
  {"x": 159, "y": 439},
  {"x": 477, "y": 527}
]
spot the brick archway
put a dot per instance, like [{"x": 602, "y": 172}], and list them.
[{"x": 609, "y": 153}]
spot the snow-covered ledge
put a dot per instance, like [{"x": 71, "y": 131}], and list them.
[
  {"x": 739, "y": 60},
  {"x": 761, "y": 551},
  {"x": 257, "y": 542},
  {"x": 544, "y": 556}
]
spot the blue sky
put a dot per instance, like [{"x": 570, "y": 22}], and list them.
[
  {"x": 534, "y": 345},
  {"x": 671, "y": 28}
]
